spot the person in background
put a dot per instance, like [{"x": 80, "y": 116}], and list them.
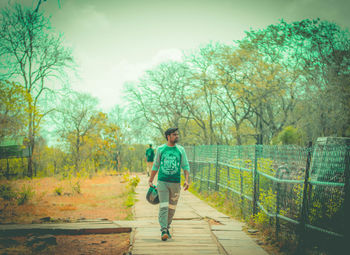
[
  {"x": 149, "y": 159},
  {"x": 169, "y": 160}
]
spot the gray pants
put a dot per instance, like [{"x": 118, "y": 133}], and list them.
[{"x": 169, "y": 194}]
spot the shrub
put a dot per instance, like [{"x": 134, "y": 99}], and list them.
[
  {"x": 25, "y": 194},
  {"x": 126, "y": 177},
  {"x": 59, "y": 190},
  {"x": 76, "y": 187},
  {"x": 6, "y": 192},
  {"x": 134, "y": 181},
  {"x": 130, "y": 200},
  {"x": 268, "y": 201},
  {"x": 289, "y": 135}
]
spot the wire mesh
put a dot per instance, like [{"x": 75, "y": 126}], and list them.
[{"x": 280, "y": 177}]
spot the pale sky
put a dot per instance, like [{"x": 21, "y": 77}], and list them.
[{"x": 115, "y": 41}]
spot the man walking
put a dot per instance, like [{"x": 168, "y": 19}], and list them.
[
  {"x": 169, "y": 160},
  {"x": 149, "y": 159}
]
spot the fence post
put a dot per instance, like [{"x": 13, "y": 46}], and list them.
[
  {"x": 194, "y": 164},
  {"x": 278, "y": 209},
  {"x": 217, "y": 172},
  {"x": 241, "y": 178},
  {"x": 304, "y": 205},
  {"x": 347, "y": 198},
  {"x": 228, "y": 182},
  {"x": 256, "y": 180},
  {"x": 209, "y": 176},
  {"x": 200, "y": 181}
]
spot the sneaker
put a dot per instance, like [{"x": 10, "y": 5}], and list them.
[
  {"x": 164, "y": 235},
  {"x": 169, "y": 236}
]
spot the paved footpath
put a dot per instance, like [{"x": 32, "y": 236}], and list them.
[{"x": 190, "y": 230}]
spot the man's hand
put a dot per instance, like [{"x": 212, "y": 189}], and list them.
[
  {"x": 186, "y": 185},
  {"x": 151, "y": 178}
]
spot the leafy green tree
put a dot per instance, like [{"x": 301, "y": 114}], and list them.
[
  {"x": 13, "y": 99},
  {"x": 287, "y": 74},
  {"x": 315, "y": 57},
  {"x": 327, "y": 75},
  {"x": 273, "y": 82}
]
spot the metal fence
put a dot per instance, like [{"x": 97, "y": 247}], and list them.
[{"x": 298, "y": 190}]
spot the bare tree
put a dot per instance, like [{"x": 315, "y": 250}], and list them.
[
  {"x": 41, "y": 1},
  {"x": 201, "y": 102},
  {"x": 159, "y": 96},
  {"x": 30, "y": 54},
  {"x": 76, "y": 118}
]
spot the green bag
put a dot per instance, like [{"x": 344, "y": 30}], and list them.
[{"x": 152, "y": 195}]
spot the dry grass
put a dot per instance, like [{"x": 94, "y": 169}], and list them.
[{"x": 100, "y": 197}]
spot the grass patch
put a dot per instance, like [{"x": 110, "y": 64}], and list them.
[{"x": 25, "y": 194}]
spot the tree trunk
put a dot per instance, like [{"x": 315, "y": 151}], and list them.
[
  {"x": 30, "y": 143},
  {"x": 77, "y": 158},
  {"x": 239, "y": 139},
  {"x": 238, "y": 134},
  {"x": 55, "y": 167}
]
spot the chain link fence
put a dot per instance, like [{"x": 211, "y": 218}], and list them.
[{"x": 294, "y": 191}]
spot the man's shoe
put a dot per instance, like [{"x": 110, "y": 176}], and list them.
[
  {"x": 164, "y": 235},
  {"x": 169, "y": 236}
]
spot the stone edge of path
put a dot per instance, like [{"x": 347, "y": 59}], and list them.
[
  {"x": 81, "y": 228},
  {"x": 216, "y": 239}
]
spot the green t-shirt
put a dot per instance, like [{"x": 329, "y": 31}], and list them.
[
  {"x": 150, "y": 155},
  {"x": 169, "y": 161}
]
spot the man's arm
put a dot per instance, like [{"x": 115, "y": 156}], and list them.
[
  {"x": 146, "y": 155},
  {"x": 186, "y": 167},
  {"x": 151, "y": 178},
  {"x": 155, "y": 169},
  {"x": 186, "y": 183}
]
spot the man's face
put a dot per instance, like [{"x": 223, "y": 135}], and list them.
[{"x": 174, "y": 137}]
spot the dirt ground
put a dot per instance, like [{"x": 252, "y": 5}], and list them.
[
  {"x": 101, "y": 197},
  {"x": 70, "y": 244}
]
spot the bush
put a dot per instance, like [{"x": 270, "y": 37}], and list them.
[
  {"x": 126, "y": 177},
  {"x": 59, "y": 190},
  {"x": 134, "y": 181},
  {"x": 289, "y": 135},
  {"x": 6, "y": 192},
  {"x": 130, "y": 200},
  {"x": 76, "y": 187},
  {"x": 268, "y": 201},
  {"x": 25, "y": 194}
]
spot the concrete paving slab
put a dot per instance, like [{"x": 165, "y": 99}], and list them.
[
  {"x": 231, "y": 227},
  {"x": 78, "y": 228}
]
